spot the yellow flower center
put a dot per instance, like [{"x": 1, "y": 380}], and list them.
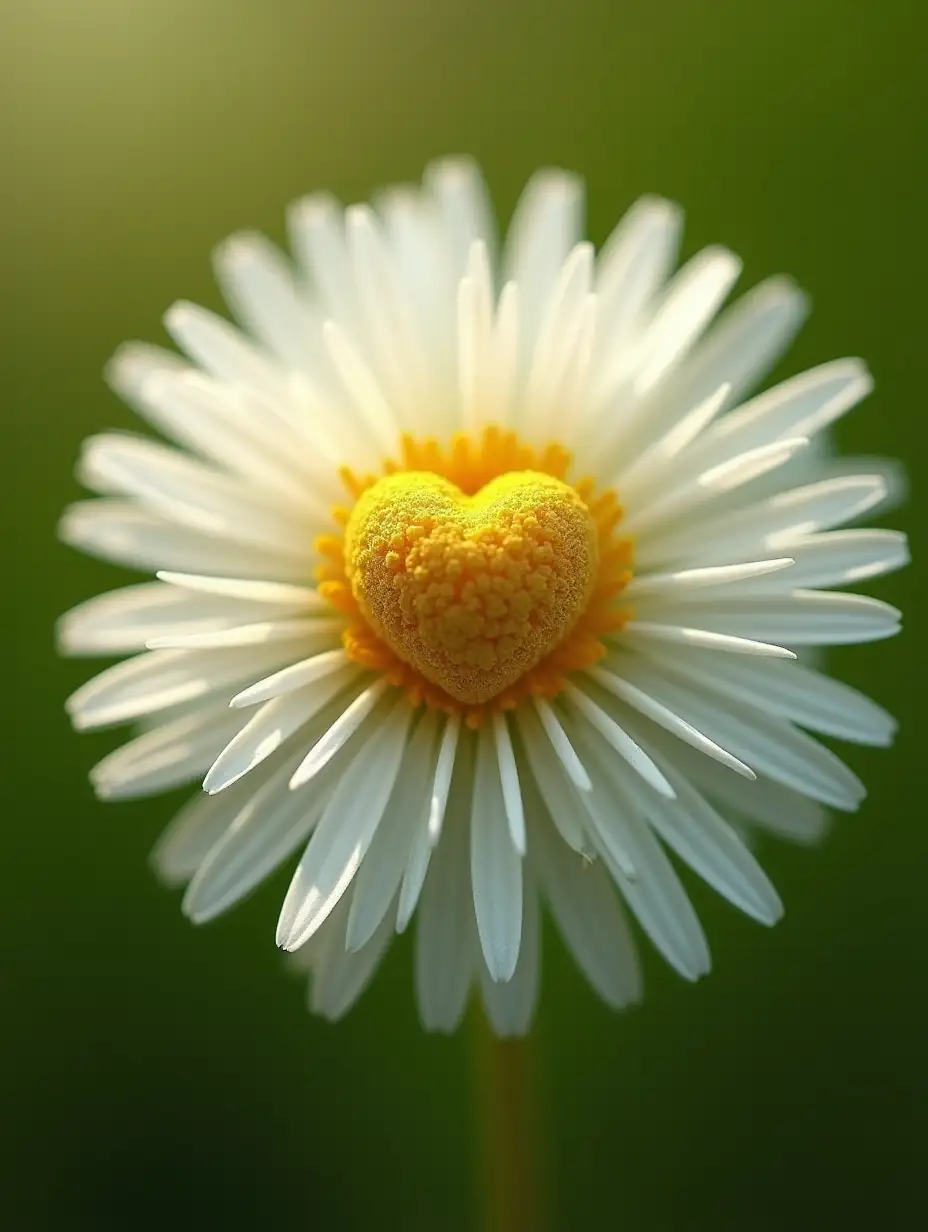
[
  {"x": 471, "y": 590},
  {"x": 476, "y": 576}
]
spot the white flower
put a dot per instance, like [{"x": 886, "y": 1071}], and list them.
[{"x": 468, "y": 707}]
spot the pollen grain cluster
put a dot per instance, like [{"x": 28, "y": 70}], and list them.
[
  {"x": 472, "y": 591},
  {"x": 472, "y": 582}
]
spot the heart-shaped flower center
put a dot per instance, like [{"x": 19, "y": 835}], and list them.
[{"x": 471, "y": 591}]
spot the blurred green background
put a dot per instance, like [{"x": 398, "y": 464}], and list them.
[{"x": 154, "y": 1074}]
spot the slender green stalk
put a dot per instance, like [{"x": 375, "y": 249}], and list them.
[{"x": 508, "y": 1116}]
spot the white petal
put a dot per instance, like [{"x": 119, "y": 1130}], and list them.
[
  {"x": 268, "y": 827},
  {"x": 664, "y": 717},
  {"x": 345, "y": 831},
  {"x": 476, "y": 345},
  {"x": 340, "y": 975},
  {"x": 340, "y": 732},
  {"x": 354, "y": 274},
  {"x": 583, "y": 902},
  {"x": 798, "y": 617},
  {"x": 560, "y": 742},
  {"x": 691, "y": 301},
  {"x": 544, "y": 228},
  {"x": 571, "y": 382},
  {"x": 890, "y": 471},
  {"x": 558, "y": 791},
  {"x": 619, "y": 740},
  {"x": 196, "y": 829},
  {"x": 655, "y": 895},
  {"x": 222, "y": 350},
  {"x": 509, "y": 777},
  {"x": 510, "y": 1005},
  {"x": 417, "y": 234},
  {"x": 472, "y": 347},
  {"x": 273, "y": 593},
  {"x": 682, "y": 581},
  {"x": 763, "y": 803},
  {"x": 417, "y": 865},
  {"x": 467, "y": 212},
  {"x": 311, "y": 632},
  {"x": 794, "y": 692},
  {"x": 125, "y": 534},
  {"x": 366, "y": 396},
  {"x": 685, "y": 499},
  {"x": 312, "y": 956},
  {"x": 767, "y": 528},
  {"x": 444, "y": 769},
  {"x": 562, "y": 311},
  {"x": 801, "y": 406},
  {"x": 503, "y": 367},
  {"x": 259, "y": 286},
  {"x": 742, "y": 346},
  {"x": 317, "y": 235},
  {"x": 839, "y": 558},
  {"x": 444, "y": 961},
  {"x": 633, "y": 264},
  {"x": 745, "y": 467},
  {"x": 178, "y": 488},
  {"x": 225, "y": 427},
  {"x": 495, "y": 867},
  {"x": 133, "y": 363},
  {"x": 270, "y": 726},
  {"x": 643, "y": 467},
  {"x": 295, "y": 676},
  {"x": 123, "y": 621},
  {"x": 392, "y": 347},
  {"x": 659, "y": 902},
  {"x": 216, "y": 418},
  {"x": 158, "y": 679},
  {"x": 422, "y": 845},
  {"x": 644, "y": 631},
  {"x": 382, "y": 869},
  {"x": 768, "y": 744},
  {"x": 168, "y": 755},
  {"x": 699, "y": 836}
]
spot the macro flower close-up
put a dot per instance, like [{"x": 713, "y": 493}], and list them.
[{"x": 486, "y": 584}]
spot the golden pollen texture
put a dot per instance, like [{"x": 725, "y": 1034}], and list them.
[{"x": 471, "y": 590}]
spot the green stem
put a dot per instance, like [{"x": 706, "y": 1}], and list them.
[{"x": 509, "y": 1131}]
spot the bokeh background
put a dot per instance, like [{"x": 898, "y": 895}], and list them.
[{"x": 154, "y": 1074}]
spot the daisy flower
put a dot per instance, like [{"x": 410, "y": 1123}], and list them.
[{"x": 481, "y": 586}]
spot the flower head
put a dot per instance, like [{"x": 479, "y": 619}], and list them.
[{"x": 479, "y": 580}]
